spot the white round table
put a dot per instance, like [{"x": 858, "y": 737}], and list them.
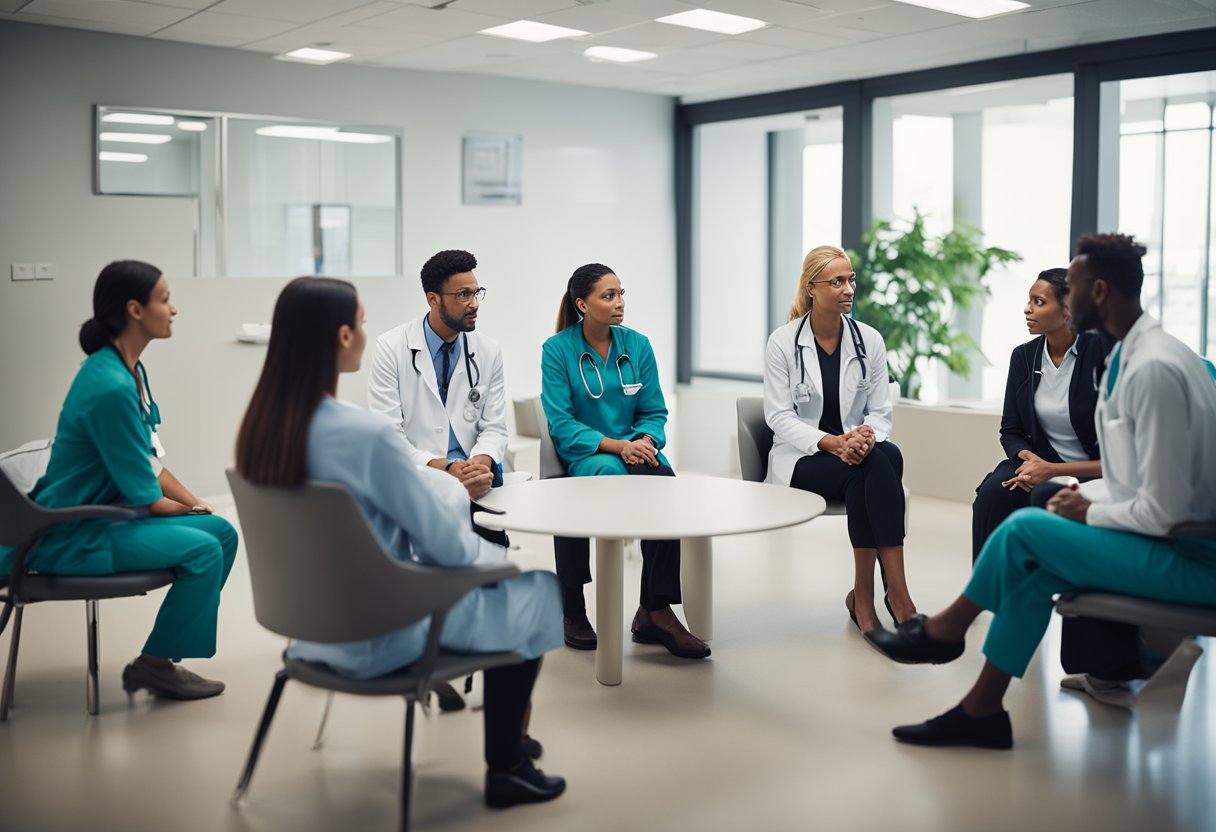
[{"x": 692, "y": 508}]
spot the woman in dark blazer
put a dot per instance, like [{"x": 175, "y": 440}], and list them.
[{"x": 1047, "y": 426}]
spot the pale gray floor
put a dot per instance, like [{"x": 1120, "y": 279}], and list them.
[{"x": 786, "y": 727}]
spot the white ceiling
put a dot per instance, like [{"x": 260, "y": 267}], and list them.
[{"x": 807, "y": 42}]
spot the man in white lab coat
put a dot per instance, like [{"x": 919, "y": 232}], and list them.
[
  {"x": 441, "y": 382},
  {"x": 1156, "y": 425}
]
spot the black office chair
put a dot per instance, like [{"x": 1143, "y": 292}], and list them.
[
  {"x": 22, "y": 525},
  {"x": 319, "y": 573}
]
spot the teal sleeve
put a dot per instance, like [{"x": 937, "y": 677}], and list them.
[
  {"x": 572, "y": 439},
  {"x": 117, "y": 431},
  {"x": 650, "y": 414}
]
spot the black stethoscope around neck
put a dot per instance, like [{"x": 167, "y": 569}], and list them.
[
  {"x": 859, "y": 347},
  {"x": 470, "y": 366}
]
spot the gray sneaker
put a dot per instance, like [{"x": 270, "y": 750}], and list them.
[
  {"x": 173, "y": 682},
  {"x": 1107, "y": 692}
]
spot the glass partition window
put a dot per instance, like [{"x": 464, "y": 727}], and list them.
[
  {"x": 997, "y": 157},
  {"x": 275, "y": 197},
  {"x": 1156, "y": 182}
]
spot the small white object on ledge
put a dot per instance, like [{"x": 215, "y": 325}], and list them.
[{"x": 253, "y": 333}]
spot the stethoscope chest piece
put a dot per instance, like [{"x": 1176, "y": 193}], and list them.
[{"x": 474, "y": 395}]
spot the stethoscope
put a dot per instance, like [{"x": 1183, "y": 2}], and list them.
[
  {"x": 470, "y": 367},
  {"x": 623, "y": 358},
  {"x": 151, "y": 411},
  {"x": 802, "y": 391}
]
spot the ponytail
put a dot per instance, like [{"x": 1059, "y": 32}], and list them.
[
  {"x": 816, "y": 260},
  {"x": 93, "y": 336},
  {"x": 118, "y": 283},
  {"x": 578, "y": 287}
]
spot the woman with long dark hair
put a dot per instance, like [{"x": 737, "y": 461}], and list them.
[
  {"x": 296, "y": 430},
  {"x": 106, "y": 452},
  {"x": 602, "y": 399}
]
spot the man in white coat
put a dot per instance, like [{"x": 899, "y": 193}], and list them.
[
  {"x": 1124, "y": 533},
  {"x": 441, "y": 382}
]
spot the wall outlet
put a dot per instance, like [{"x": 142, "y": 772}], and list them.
[
  {"x": 23, "y": 271},
  {"x": 44, "y": 271}
]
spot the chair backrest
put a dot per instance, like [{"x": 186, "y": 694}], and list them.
[
  {"x": 755, "y": 438},
  {"x": 551, "y": 465},
  {"x": 20, "y": 518},
  {"x": 319, "y": 572}
]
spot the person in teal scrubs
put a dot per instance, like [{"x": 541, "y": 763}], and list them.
[
  {"x": 105, "y": 453},
  {"x": 602, "y": 399}
]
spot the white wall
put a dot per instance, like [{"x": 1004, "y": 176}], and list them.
[{"x": 598, "y": 186}]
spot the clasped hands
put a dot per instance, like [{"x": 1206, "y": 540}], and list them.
[
  {"x": 854, "y": 446},
  {"x": 1030, "y": 473},
  {"x": 474, "y": 474},
  {"x": 639, "y": 451}
]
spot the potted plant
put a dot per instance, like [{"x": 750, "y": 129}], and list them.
[{"x": 913, "y": 282}]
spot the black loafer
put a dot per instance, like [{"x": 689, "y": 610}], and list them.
[
  {"x": 910, "y": 644},
  {"x": 526, "y": 784},
  {"x": 579, "y": 633},
  {"x": 646, "y": 632},
  {"x": 530, "y": 748},
  {"x": 955, "y": 727},
  {"x": 449, "y": 699}
]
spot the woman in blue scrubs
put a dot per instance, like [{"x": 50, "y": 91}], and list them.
[
  {"x": 295, "y": 430},
  {"x": 105, "y": 452},
  {"x": 602, "y": 399}
]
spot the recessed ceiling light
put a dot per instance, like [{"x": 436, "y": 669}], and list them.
[
  {"x": 328, "y": 134},
  {"x": 970, "y": 8},
  {"x": 136, "y": 118},
  {"x": 114, "y": 156},
  {"x": 726, "y": 24},
  {"x": 136, "y": 138},
  {"x": 531, "y": 31},
  {"x": 618, "y": 55},
  {"x": 192, "y": 126},
  {"x": 312, "y": 55}
]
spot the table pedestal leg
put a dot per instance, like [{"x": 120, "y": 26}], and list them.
[
  {"x": 697, "y": 585},
  {"x": 609, "y": 603}
]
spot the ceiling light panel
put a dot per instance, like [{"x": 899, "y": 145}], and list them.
[
  {"x": 328, "y": 134},
  {"x": 711, "y": 21},
  {"x": 115, "y": 156},
  {"x": 618, "y": 55},
  {"x": 136, "y": 138},
  {"x": 975, "y": 9},
  {"x": 137, "y": 118},
  {"x": 312, "y": 55},
  {"x": 532, "y": 31}
]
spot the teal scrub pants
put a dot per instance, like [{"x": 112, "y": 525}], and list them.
[
  {"x": 200, "y": 549},
  {"x": 1035, "y": 555}
]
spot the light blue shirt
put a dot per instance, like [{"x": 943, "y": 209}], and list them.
[{"x": 434, "y": 343}]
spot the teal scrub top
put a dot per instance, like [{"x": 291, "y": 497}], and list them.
[
  {"x": 577, "y": 421},
  {"x": 101, "y": 456}
]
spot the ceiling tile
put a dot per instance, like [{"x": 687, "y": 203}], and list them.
[
  {"x": 218, "y": 29},
  {"x": 108, "y": 11},
  {"x": 689, "y": 62},
  {"x": 656, "y": 37},
  {"x": 595, "y": 19},
  {"x": 451, "y": 21},
  {"x": 465, "y": 53},
  {"x": 301, "y": 11},
  {"x": 11, "y": 5},
  {"x": 802, "y": 41},
  {"x": 362, "y": 42},
  {"x": 773, "y": 12},
  {"x": 91, "y": 25},
  {"x": 515, "y": 9},
  {"x": 745, "y": 50}
]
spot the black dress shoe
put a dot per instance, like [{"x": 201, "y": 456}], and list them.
[
  {"x": 910, "y": 644},
  {"x": 579, "y": 633},
  {"x": 449, "y": 699},
  {"x": 683, "y": 645},
  {"x": 525, "y": 784},
  {"x": 955, "y": 727},
  {"x": 530, "y": 748}
]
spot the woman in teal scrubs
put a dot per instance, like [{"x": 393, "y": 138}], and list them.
[
  {"x": 602, "y": 399},
  {"x": 105, "y": 453}
]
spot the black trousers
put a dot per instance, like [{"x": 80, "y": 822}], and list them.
[
  {"x": 1106, "y": 649},
  {"x": 994, "y": 503},
  {"x": 508, "y": 692},
  {"x": 872, "y": 491},
  {"x": 660, "y": 563}
]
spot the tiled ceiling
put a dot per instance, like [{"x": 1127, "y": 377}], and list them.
[{"x": 806, "y": 42}]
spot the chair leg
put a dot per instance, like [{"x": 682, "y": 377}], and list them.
[
  {"x": 91, "y": 633},
  {"x": 320, "y": 740},
  {"x": 10, "y": 673},
  {"x": 280, "y": 679},
  {"x": 407, "y": 766}
]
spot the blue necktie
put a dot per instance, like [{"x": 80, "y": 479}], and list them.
[{"x": 1114, "y": 370}]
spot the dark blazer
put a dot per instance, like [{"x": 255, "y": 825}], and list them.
[{"x": 1020, "y": 427}]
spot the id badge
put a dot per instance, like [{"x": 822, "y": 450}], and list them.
[
  {"x": 802, "y": 393},
  {"x": 157, "y": 447}
]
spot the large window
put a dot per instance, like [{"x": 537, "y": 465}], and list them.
[
  {"x": 275, "y": 197},
  {"x": 997, "y": 157},
  {"x": 1157, "y": 183}
]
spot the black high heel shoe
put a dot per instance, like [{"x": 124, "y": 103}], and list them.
[
  {"x": 850, "y": 604},
  {"x": 886, "y": 600}
]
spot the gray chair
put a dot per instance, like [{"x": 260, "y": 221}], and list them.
[
  {"x": 22, "y": 524},
  {"x": 551, "y": 465},
  {"x": 319, "y": 573},
  {"x": 756, "y": 440}
]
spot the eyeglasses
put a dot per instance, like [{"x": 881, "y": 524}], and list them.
[
  {"x": 466, "y": 296},
  {"x": 837, "y": 282}
]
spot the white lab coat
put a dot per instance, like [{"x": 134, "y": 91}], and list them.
[
  {"x": 1157, "y": 432},
  {"x": 422, "y": 515},
  {"x": 403, "y": 387},
  {"x": 795, "y": 428}
]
